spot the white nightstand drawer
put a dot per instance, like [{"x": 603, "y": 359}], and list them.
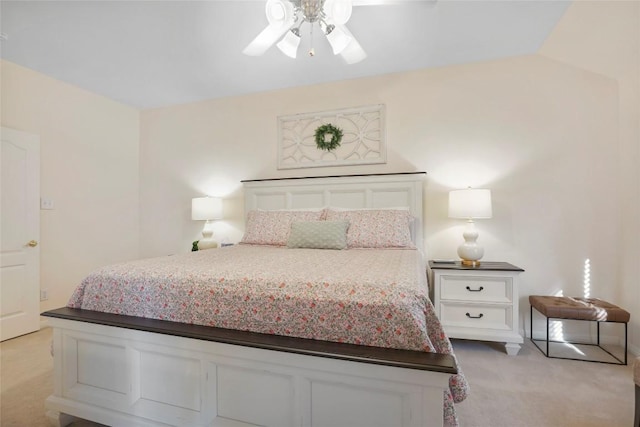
[
  {"x": 477, "y": 316},
  {"x": 475, "y": 288}
]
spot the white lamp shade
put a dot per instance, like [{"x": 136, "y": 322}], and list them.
[
  {"x": 289, "y": 44},
  {"x": 470, "y": 203},
  {"x": 206, "y": 208}
]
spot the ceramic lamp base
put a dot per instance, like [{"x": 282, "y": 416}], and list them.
[
  {"x": 469, "y": 252},
  {"x": 207, "y": 241},
  {"x": 207, "y": 244}
]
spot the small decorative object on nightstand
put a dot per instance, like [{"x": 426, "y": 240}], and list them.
[
  {"x": 478, "y": 303},
  {"x": 206, "y": 209}
]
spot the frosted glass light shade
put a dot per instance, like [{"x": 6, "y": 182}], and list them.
[
  {"x": 206, "y": 208},
  {"x": 289, "y": 44},
  {"x": 470, "y": 203}
]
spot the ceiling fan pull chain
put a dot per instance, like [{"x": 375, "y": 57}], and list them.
[{"x": 312, "y": 52}]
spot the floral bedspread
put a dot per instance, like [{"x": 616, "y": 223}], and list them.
[{"x": 372, "y": 297}]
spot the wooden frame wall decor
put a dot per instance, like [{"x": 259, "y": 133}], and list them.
[{"x": 363, "y": 141}]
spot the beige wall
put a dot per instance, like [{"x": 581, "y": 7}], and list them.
[
  {"x": 544, "y": 133},
  {"x": 612, "y": 48},
  {"x": 89, "y": 168}
]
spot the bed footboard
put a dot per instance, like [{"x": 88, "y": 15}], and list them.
[{"x": 123, "y": 371}]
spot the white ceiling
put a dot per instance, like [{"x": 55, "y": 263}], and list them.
[{"x": 151, "y": 54}]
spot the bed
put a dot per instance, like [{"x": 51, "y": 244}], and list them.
[{"x": 280, "y": 330}]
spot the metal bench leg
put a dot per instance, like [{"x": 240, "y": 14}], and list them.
[
  {"x": 531, "y": 322},
  {"x": 547, "y": 337},
  {"x": 636, "y": 422},
  {"x": 625, "y": 349}
]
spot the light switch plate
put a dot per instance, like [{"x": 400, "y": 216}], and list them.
[{"x": 46, "y": 204}]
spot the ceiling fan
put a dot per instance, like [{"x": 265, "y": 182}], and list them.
[{"x": 287, "y": 18}]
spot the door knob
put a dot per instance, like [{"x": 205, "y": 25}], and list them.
[{"x": 33, "y": 243}]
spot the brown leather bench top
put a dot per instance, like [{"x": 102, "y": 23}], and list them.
[{"x": 579, "y": 308}]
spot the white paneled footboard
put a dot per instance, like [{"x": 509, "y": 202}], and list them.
[{"x": 107, "y": 372}]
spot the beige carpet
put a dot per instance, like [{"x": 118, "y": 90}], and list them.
[
  {"x": 526, "y": 390},
  {"x": 532, "y": 390},
  {"x": 26, "y": 379}
]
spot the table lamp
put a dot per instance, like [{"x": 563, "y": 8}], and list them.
[
  {"x": 206, "y": 209},
  {"x": 470, "y": 204}
]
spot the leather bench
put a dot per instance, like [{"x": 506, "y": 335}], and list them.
[{"x": 575, "y": 308}]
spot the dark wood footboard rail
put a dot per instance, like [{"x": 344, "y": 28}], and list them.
[{"x": 435, "y": 362}]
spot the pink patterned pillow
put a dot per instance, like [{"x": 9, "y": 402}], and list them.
[
  {"x": 375, "y": 228},
  {"x": 273, "y": 227}
]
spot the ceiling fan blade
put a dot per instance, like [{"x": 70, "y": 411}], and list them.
[
  {"x": 353, "y": 53},
  {"x": 266, "y": 39}
]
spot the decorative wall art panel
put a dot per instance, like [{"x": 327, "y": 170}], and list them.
[{"x": 362, "y": 141}]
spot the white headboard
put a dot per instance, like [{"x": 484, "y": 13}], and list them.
[{"x": 401, "y": 190}]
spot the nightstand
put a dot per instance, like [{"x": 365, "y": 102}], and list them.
[{"x": 478, "y": 303}]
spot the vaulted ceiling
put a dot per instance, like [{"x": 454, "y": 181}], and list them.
[{"x": 151, "y": 54}]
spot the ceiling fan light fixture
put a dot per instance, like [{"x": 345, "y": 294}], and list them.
[
  {"x": 286, "y": 16},
  {"x": 279, "y": 12},
  {"x": 338, "y": 10},
  {"x": 289, "y": 44},
  {"x": 338, "y": 39},
  {"x": 328, "y": 29}
]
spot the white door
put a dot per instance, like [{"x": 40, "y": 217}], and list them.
[{"x": 19, "y": 233}]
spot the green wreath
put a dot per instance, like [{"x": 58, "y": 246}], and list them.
[{"x": 336, "y": 137}]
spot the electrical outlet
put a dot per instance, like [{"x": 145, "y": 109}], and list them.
[{"x": 44, "y": 294}]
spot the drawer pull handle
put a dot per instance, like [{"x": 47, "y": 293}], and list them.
[
  {"x": 475, "y": 290},
  {"x": 475, "y": 317}
]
